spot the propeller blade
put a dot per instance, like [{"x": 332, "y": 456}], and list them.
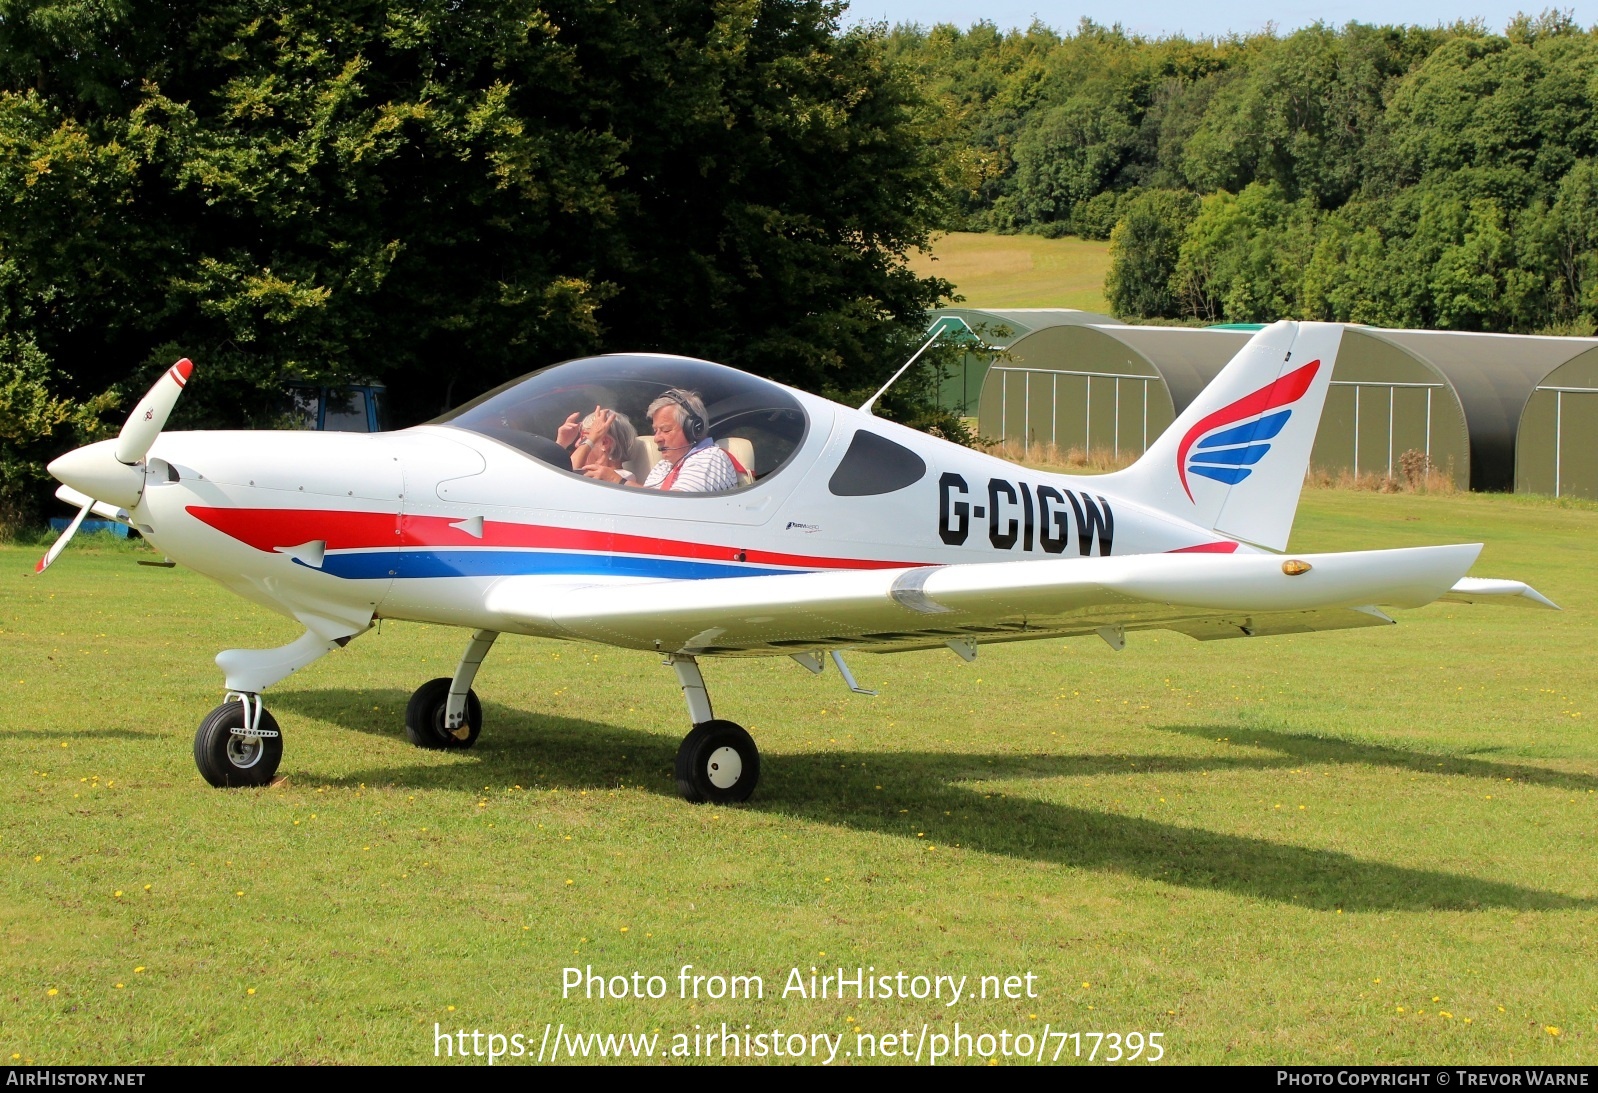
[
  {"x": 149, "y": 416},
  {"x": 60, "y": 544}
]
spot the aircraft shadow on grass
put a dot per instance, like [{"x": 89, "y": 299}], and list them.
[
  {"x": 918, "y": 788},
  {"x": 1331, "y": 749}
]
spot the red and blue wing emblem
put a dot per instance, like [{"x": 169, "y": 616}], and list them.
[{"x": 1225, "y": 445}]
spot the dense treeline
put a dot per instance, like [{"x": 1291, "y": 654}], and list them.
[
  {"x": 1396, "y": 176},
  {"x": 440, "y": 194}
]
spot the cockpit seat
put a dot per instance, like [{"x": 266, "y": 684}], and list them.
[{"x": 744, "y": 452}]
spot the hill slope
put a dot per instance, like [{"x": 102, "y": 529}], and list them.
[{"x": 1020, "y": 270}]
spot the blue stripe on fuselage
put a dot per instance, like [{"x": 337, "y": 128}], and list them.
[{"x": 378, "y": 565}]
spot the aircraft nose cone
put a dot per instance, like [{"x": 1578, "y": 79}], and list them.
[{"x": 94, "y": 470}]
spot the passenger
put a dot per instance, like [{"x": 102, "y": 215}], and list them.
[
  {"x": 690, "y": 461},
  {"x": 606, "y": 444}
]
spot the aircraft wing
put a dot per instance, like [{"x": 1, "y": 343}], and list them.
[{"x": 1204, "y": 595}]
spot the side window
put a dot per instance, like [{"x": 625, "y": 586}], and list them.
[{"x": 874, "y": 464}]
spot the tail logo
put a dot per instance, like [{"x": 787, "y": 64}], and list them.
[{"x": 1227, "y": 444}]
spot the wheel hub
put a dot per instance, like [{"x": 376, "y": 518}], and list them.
[
  {"x": 724, "y": 767},
  {"x": 244, "y": 751}
]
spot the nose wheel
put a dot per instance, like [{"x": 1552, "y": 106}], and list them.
[
  {"x": 238, "y": 744},
  {"x": 717, "y": 762}
]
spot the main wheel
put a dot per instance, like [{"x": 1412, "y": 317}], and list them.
[
  {"x": 228, "y": 755},
  {"x": 424, "y": 717},
  {"x": 717, "y": 762}
]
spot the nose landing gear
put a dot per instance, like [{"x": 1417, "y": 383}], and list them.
[{"x": 238, "y": 743}]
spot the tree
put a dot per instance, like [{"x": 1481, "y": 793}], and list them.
[
  {"x": 1144, "y": 249},
  {"x": 442, "y": 194}
]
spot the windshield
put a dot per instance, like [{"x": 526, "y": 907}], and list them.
[{"x": 757, "y": 423}]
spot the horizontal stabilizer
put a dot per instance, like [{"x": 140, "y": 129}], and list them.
[{"x": 1490, "y": 590}]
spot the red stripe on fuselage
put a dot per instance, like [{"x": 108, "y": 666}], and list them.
[{"x": 267, "y": 529}]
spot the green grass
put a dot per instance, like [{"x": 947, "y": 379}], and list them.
[
  {"x": 1296, "y": 849},
  {"x": 1001, "y": 271}
]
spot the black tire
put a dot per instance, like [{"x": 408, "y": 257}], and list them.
[
  {"x": 424, "y": 717},
  {"x": 704, "y": 764},
  {"x": 227, "y": 759}
]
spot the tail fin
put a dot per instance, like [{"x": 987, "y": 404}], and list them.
[{"x": 1235, "y": 459}]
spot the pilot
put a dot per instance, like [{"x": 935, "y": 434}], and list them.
[
  {"x": 690, "y": 461},
  {"x": 607, "y": 442}
]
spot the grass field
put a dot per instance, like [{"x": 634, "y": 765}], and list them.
[
  {"x": 1364, "y": 847},
  {"x": 1020, "y": 270}
]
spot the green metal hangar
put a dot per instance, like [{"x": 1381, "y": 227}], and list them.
[
  {"x": 1076, "y": 381},
  {"x": 1490, "y": 411},
  {"x": 1529, "y": 412}
]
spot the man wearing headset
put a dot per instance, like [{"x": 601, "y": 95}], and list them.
[{"x": 690, "y": 461}]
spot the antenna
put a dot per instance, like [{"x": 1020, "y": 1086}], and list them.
[{"x": 936, "y": 331}]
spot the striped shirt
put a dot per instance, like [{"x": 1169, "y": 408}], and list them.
[{"x": 705, "y": 469}]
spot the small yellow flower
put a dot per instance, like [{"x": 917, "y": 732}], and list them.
[
  {"x": 119, "y": 986},
  {"x": 568, "y": 880},
  {"x": 452, "y": 1009},
  {"x": 1086, "y": 984},
  {"x": 240, "y": 892},
  {"x": 1445, "y": 1015},
  {"x": 52, "y": 992},
  {"x": 1552, "y": 1030},
  {"x": 146, "y": 887},
  {"x": 119, "y": 893},
  {"x": 139, "y": 970},
  {"x": 624, "y": 929}
]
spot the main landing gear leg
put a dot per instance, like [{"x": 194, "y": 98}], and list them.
[
  {"x": 718, "y": 761},
  {"x": 444, "y": 712}
]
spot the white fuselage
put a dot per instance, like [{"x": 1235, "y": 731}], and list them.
[{"x": 420, "y": 524}]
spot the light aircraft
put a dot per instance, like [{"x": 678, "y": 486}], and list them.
[{"x": 846, "y": 532}]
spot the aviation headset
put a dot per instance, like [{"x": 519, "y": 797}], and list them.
[{"x": 693, "y": 426}]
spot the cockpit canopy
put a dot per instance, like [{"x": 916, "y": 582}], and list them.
[{"x": 760, "y": 423}]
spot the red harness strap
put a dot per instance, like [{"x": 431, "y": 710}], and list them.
[{"x": 665, "y": 483}]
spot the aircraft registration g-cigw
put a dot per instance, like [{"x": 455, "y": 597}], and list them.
[{"x": 758, "y": 521}]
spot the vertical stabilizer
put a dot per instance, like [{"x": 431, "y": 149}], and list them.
[{"x": 1235, "y": 459}]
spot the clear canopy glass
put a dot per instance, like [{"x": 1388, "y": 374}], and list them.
[{"x": 760, "y": 423}]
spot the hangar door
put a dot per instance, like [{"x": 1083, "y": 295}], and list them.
[
  {"x": 1382, "y": 403},
  {"x": 1074, "y": 387},
  {"x": 1556, "y": 445}
]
